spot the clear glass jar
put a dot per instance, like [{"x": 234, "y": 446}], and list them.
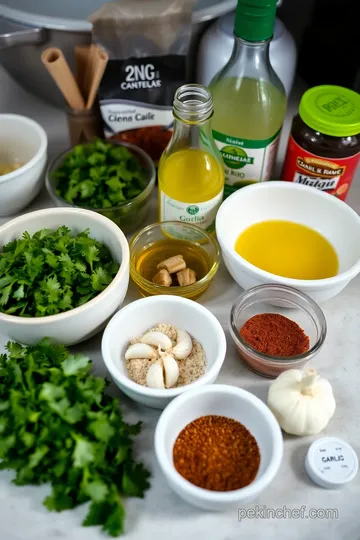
[
  {"x": 84, "y": 125},
  {"x": 282, "y": 300},
  {"x": 191, "y": 173}
]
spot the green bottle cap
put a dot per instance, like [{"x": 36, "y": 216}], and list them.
[
  {"x": 331, "y": 110},
  {"x": 255, "y": 19}
]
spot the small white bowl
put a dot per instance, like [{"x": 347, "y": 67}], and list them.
[
  {"x": 333, "y": 218},
  {"x": 233, "y": 403},
  {"x": 135, "y": 318},
  {"x": 80, "y": 323},
  {"x": 22, "y": 140}
]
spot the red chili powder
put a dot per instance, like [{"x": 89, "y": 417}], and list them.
[{"x": 274, "y": 334}]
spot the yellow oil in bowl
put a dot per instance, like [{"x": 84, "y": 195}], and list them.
[{"x": 288, "y": 249}]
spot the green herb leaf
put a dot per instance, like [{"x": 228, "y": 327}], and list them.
[
  {"x": 96, "y": 490},
  {"x": 51, "y": 272},
  {"x": 73, "y": 364},
  {"x": 99, "y": 174},
  {"x": 58, "y": 426},
  {"x": 84, "y": 452}
]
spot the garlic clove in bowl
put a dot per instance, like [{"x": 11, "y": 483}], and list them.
[
  {"x": 171, "y": 370},
  {"x": 155, "y": 375},
  {"x": 163, "y": 373},
  {"x": 183, "y": 345},
  {"x": 157, "y": 339},
  {"x": 140, "y": 350}
]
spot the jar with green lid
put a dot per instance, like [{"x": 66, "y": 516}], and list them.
[{"x": 324, "y": 145}]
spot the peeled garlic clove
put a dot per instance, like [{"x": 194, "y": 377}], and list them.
[
  {"x": 155, "y": 376},
  {"x": 157, "y": 339},
  {"x": 171, "y": 370},
  {"x": 184, "y": 345},
  {"x": 140, "y": 350}
]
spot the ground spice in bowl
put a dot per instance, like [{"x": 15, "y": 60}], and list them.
[
  {"x": 275, "y": 335},
  {"x": 216, "y": 453}
]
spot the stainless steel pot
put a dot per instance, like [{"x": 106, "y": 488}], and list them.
[{"x": 23, "y": 37}]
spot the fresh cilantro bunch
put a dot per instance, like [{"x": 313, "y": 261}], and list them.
[
  {"x": 52, "y": 271},
  {"x": 99, "y": 175},
  {"x": 58, "y": 426}
]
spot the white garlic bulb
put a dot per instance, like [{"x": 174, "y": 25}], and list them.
[
  {"x": 183, "y": 345},
  {"x": 301, "y": 401}
]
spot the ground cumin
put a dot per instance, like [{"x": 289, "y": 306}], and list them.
[
  {"x": 216, "y": 453},
  {"x": 274, "y": 334}
]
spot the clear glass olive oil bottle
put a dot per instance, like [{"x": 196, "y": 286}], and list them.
[
  {"x": 191, "y": 170},
  {"x": 249, "y": 99}
]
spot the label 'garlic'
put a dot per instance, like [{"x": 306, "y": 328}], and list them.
[
  {"x": 163, "y": 373},
  {"x": 301, "y": 401}
]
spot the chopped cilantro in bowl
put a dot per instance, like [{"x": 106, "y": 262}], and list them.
[
  {"x": 112, "y": 178},
  {"x": 52, "y": 271}
]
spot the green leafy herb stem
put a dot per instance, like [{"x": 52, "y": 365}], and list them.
[
  {"x": 58, "y": 426},
  {"x": 52, "y": 271},
  {"x": 99, "y": 175}
]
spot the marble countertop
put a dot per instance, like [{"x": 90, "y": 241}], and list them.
[{"x": 162, "y": 514}]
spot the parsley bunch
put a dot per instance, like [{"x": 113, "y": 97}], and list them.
[
  {"x": 99, "y": 175},
  {"x": 52, "y": 271},
  {"x": 57, "y": 425}
]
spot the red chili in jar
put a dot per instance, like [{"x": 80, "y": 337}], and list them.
[{"x": 324, "y": 145}]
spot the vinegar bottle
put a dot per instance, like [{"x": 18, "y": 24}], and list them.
[
  {"x": 191, "y": 171},
  {"x": 249, "y": 99}
]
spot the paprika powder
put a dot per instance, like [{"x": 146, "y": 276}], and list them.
[
  {"x": 216, "y": 453},
  {"x": 275, "y": 335}
]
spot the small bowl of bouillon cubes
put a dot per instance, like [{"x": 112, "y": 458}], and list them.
[
  {"x": 218, "y": 446},
  {"x": 63, "y": 273},
  {"x": 115, "y": 179},
  {"x": 173, "y": 257}
]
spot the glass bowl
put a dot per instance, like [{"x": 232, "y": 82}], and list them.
[
  {"x": 128, "y": 215},
  {"x": 288, "y": 302},
  {"x": 173, "y": 231}
]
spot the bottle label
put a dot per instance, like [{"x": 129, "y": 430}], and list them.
[
  {"x": 246, "y": 161},
  {"x": 202, "y": 214},
  {"x": 333, "y": 175}
]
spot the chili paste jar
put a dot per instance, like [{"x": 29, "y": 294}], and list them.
[{"x": 324, "y": 145}]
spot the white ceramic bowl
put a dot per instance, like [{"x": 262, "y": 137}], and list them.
[
  {"x": 141, "y": 315},
  {"x": 227, "y": 401},
  {"x": 334, "y": 219},
  {"x": 22, "y": 140},
  {"x": 82, "y": 322}
]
